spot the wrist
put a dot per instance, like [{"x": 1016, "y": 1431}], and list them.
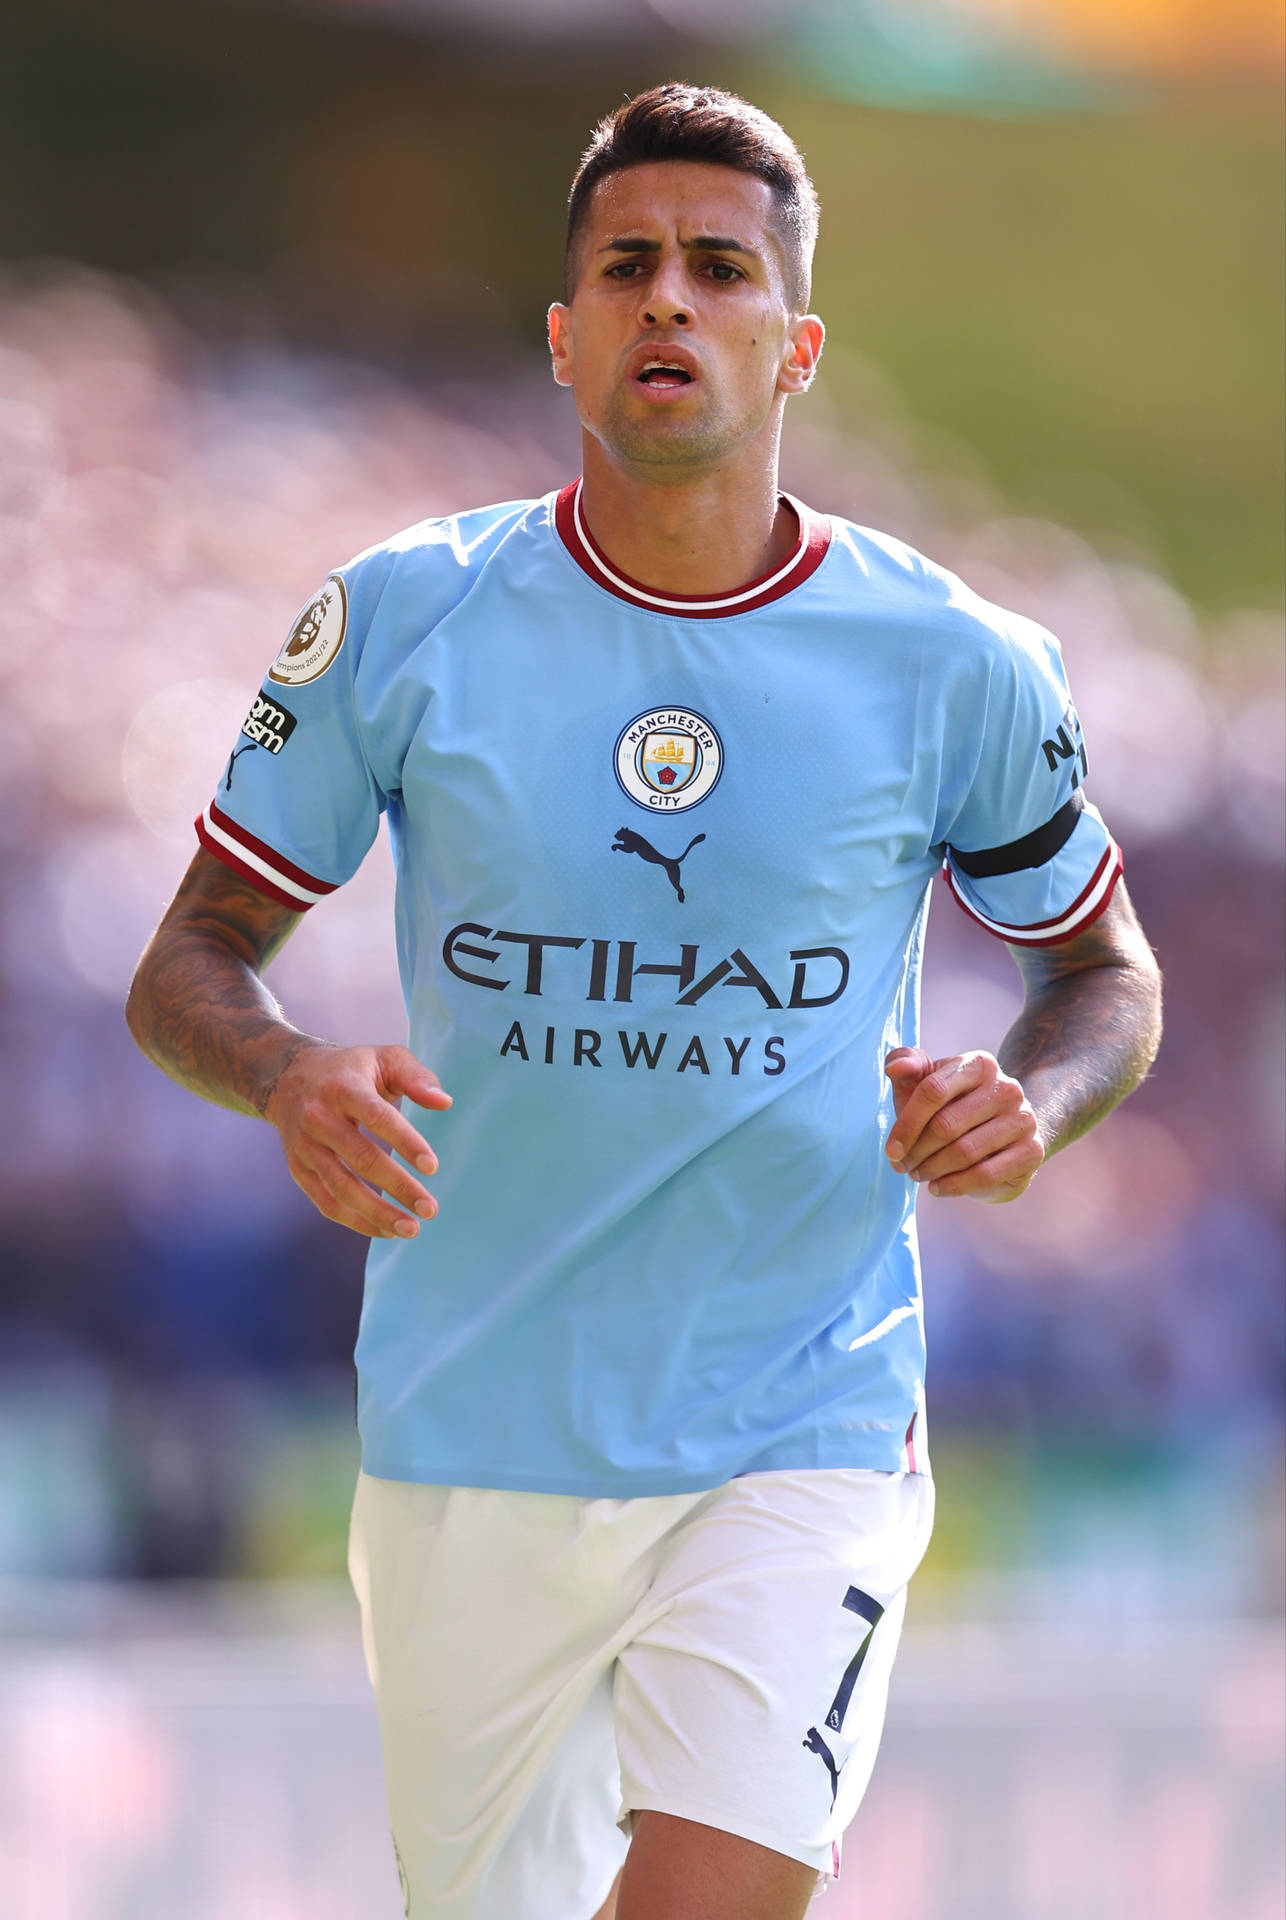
[{"x": 289, "y": 1047}]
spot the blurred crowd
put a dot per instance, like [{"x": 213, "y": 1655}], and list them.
[{"x": 166, "y": 504}]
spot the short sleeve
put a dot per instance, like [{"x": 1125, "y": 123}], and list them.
[
  {"x": 298, "y": 806},
  {"x": 1027, "y": 856}
]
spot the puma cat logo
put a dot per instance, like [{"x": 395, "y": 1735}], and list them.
[
  {"x": 627, "y": 841},
  {"x": 815, "y": 1744}
]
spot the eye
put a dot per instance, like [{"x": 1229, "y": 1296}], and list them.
[
  {"x": 623, "y": 270},
  {"x": 724, "y": 272}
]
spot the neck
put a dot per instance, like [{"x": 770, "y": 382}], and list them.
[{"x": 709, "y": 532}]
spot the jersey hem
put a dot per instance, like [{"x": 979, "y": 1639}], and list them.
[{"x": 618, "y": 1486}]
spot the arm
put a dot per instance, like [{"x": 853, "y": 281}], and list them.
[
  {"x": 199, "y": 1010},
  {"x": 981, "y": 1124}
]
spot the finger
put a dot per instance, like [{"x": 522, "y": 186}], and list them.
[
  {"x": 1002, "y": 1176},
  {"x": 993, "y": 1136},
  {"x": 905, "y": 1067},
  {"x": 1002, "y": 1099},
  {"x": 392, "y": 1126},
  {"x": 367, "y": 1158},
  {"x": 370, "y": 1162},
  {"x": 352, "y": 1202},
  {"x": 314, "y": 1188},
  {"x": 402, "y": 1073},
  {"x": 951, "y": 1077},
  {"x": 343, "y": 1216}
]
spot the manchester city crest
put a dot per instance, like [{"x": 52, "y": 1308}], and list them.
[{"x": 668, "y": 759}]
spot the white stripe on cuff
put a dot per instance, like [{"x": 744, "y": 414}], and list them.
[
  {"x": 1052, "y": 930},
  {"x": 261, "y": 866}
]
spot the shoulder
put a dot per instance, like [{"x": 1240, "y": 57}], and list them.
[
  {"x": 913, "y": 590},
  {"x": 460, "y": 544},
  {"x": 405, "y": 585}
]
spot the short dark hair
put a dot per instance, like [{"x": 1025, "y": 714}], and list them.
[{"x": 681, "y": 122}]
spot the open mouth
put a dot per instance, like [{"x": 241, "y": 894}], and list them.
[{"x": 663, "y": 373}]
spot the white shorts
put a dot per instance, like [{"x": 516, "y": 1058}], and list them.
[{"x": 546, "y": 1666}]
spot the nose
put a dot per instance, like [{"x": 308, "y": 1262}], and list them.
[{"x": 666, "y": 303}]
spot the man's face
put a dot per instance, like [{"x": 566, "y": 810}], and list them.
[{"x": 679, "y": 339}]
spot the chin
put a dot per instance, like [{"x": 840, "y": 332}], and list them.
[{"x": 663, "y": 442}]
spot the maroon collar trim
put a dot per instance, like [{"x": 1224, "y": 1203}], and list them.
[{"x": 814, "y": 539}]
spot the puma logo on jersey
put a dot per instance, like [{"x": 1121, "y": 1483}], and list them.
[
  {"x": 627, "y": 841},
  {"x": 266, "y": 725}
]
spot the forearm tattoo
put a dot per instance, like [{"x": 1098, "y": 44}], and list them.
[
  {"x": 1090, "y": 1025},
  {"x": 197, "y": 1006}
]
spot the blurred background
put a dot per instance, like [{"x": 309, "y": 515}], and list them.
[{"x": 272, "y": 284}]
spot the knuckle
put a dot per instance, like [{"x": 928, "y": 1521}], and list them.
[
  {"x": 366, "y": 1158},
  {"x": 307, "y": 1183},
  {"x": 354, "y": 1193},
  {"x": 941, "y": 1127},
  {"x": 326, "y": 1203},
  {"x": 396, "y": 1061}
]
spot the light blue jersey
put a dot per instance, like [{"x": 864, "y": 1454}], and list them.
[{"x": 663, "y": 867}]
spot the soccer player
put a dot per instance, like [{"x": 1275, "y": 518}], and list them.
[{"x": 669, "y": 761}]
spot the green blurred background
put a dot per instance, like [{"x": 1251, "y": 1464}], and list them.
[{"x": 1088, "y": 295}]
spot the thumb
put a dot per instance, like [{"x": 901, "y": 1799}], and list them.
[
  {"x": 905, "y": 1067},
  {"x": 401, "y": 1072}
]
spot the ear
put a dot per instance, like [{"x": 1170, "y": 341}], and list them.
[
  {"x": 560, "y": 342},
  {"x": 797, "y": 369}
]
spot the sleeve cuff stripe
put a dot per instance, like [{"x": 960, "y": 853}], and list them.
[
  {"x": 1084, "y": 910},
  {"x": 259, "y": 862},
  {"x": 239, "y": 867}
]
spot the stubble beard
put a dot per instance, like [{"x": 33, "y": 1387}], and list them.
[{"x": 668, "y": 442}]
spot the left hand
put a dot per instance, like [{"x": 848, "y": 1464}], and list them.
[{"x": 963, "y": 1126}]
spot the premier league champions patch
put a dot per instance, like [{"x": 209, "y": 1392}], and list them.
[
  {"x": 668, "y": 759},
  {"x": 315, "y": 639}
]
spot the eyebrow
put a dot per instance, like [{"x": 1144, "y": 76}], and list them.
[{"x": 704, "y": 243}]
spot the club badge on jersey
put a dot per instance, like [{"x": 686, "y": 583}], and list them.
[{"x": 668, "y": 759}]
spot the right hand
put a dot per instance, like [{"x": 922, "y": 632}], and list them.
[{"x": 326, "y": 1105}]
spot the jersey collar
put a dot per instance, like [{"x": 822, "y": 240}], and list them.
[{"x": 808, "y": 554}]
